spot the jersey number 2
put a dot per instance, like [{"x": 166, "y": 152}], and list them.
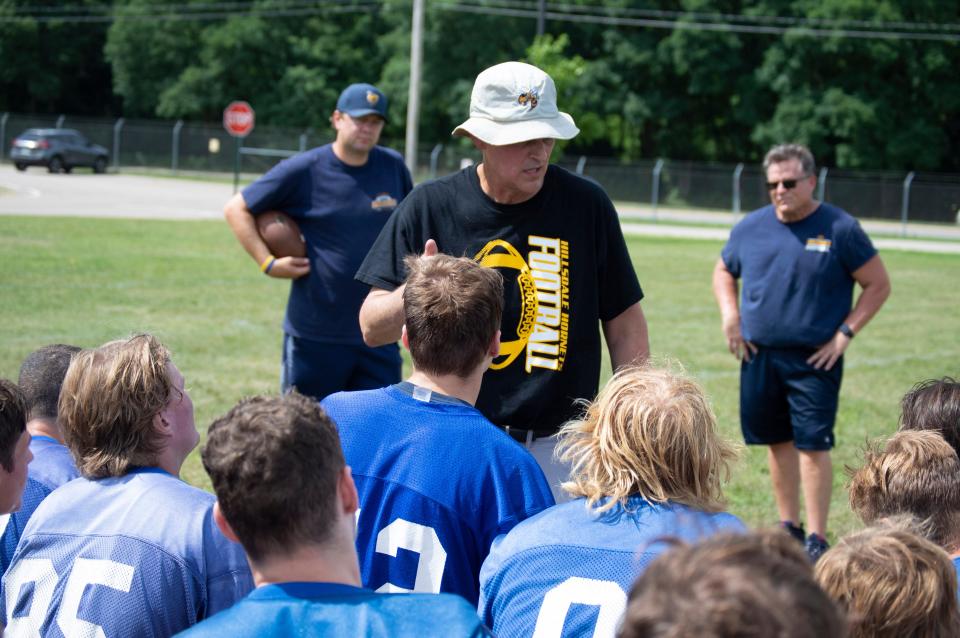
[{"x": 415, "y": 538}]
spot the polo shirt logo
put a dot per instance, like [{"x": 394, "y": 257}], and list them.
[
  {"x": 383, "y": 200},
  {"x": 818, "y": 244}
]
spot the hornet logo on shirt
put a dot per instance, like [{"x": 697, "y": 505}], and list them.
[
  {"x": 383, "y": 200},
  {"x": 818, "y": 244},
  {"x": 543, "y": 280}
]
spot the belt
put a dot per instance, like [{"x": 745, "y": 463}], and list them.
[{"x": 525, "y": 436}]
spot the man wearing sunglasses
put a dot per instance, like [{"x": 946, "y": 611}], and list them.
[{"x": 799, "y": 259}]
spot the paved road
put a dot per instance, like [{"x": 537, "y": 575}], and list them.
[{"x": 82, "y": 194}]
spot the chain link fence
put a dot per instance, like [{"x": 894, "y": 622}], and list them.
[{"x": 204, "y": 146}]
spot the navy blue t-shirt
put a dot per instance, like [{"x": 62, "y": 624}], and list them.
[
  {"x": 797, "y": 277},
  {"x": 340, "y": 210}
]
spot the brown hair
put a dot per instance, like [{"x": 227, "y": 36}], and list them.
[
  {"x": 650, "y": 432},
  {"x": 13, "y": 421},
  {"x": 109, "y": 399},
  {"x": 787, "y": 152},
  {"x": 41, "y": 376},
  {"x": 274, "y": 463},
  {"x": 916, "y": 473},
  {"x": 756, "y": 585},
  {"x": 892, "y": 583},
  {"x": 452, "y": 308},
  {"x": 933, "y": 404}
]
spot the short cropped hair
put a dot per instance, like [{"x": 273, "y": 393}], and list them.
[
  {"x": 933, "y": 404},
  {"x": 755, "y": 585},
  {"x": 892, "y": 583},
  {"x": 787, "y": 152},
  {"x": 41, "y": 377},
  {"x": 13, "y": 421},
  {"x": 916, "y": 473},
  {"x": 275, "y": 463},
  {"x": 452, "y": 308},
  {"x": 650, "y": 432},
  {"x": 108, "y": 402}
]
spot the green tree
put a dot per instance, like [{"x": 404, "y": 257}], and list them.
[{"x": 52, "y": 66}]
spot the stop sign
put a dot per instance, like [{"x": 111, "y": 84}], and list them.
[{"x": 238, "y": 119}]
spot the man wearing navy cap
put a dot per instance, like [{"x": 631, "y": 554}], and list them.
[{"x": 341, "y": 195}]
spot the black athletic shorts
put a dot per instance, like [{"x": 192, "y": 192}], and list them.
[{"x": 783, "y": 398}]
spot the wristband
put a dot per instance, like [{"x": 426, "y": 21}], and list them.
[
  {"x": 846, "y": 331},
  {"x": 267, "y": 264}
]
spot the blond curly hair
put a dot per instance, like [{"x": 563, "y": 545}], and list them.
[{"x": 651, "y": 433}]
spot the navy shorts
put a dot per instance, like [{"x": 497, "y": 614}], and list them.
[
  {"x": 318, "y": 369},
  {"x": 783, "y": 398}
]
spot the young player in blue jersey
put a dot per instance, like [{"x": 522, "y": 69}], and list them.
[
  {"x": 436, "y": 479},
  {"x": 732, "y": 586},
  {"x": 41, "y": 376},
  {"x": 916, "y": 473},
  {"x": 891, "y": 582},
  {"x": 14, "y": 446},
  {"x": 647, "y": 464},
  {"x": 285, "y": 492},
  {"x": 128, "y": 549}
]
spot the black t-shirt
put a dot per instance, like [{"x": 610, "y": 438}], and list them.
[{"x": 565, "y": 265}]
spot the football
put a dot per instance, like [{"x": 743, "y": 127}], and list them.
[{"x": 281, "y": 234}]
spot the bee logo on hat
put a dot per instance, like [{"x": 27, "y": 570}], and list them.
[
  {"x": 372, "y": 98},
  {"x": 529, "y": 98}
]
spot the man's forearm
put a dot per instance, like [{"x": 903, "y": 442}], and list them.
[
  {"x": 875, "y": 284},
  {"x": 381, "y": 316},
  {"x": 244, "y": 227},
  {"x": 725, "y": 292},
  {"x": 869, "y": 302},
  {"x": 627, "y": 337}
]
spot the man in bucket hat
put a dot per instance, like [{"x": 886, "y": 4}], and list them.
[{"x": 554, "y": 236}]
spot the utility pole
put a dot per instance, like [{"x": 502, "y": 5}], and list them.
[
  {"x": 413, "y": 101},
  {"x": 541, "y": 16}
]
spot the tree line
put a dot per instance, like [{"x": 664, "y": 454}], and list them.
[{"x": 868, "y": 84}]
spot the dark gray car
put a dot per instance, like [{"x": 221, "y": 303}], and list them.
[{"x": 59, "y": 149}]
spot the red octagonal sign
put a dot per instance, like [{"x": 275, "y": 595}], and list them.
[{"x": 238, "y": 118}]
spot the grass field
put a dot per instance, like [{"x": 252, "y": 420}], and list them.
[{"x": 86, "y": 281}]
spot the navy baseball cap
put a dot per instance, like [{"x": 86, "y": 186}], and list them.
[{"x": 358, "y": 100}]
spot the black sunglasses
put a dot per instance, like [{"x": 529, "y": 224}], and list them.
[{"x": 787, "y": 183}]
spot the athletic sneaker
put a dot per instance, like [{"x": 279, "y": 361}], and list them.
[
  {"x": 795, "y": 531},
  {"x": 815, "y": 545}
]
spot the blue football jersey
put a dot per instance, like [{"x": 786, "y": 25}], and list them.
[
  {"x": 567, "y": 571},
  {"x": 137, "y": 555},
  {"x": 51, "y": 467},
  {"x": 312, "y": 610},
  {"x": 52, "y": 463},
  {"x": 13, "y": 524},
  {"x": 437, "y": 482}
]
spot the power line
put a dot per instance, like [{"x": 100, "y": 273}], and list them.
[
  {"x": 586, "y": 14},
  {"x": 685, "y": 23},
  {"x": 180, "y": 13}
]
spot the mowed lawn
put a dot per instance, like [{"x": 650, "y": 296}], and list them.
[{"x": 86, "y": 281}]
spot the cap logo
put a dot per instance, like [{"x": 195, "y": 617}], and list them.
[
  {"x": 529, "y": 98},
  {"x": 372, "y": 98}
]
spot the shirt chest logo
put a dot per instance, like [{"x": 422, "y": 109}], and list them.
[
  {"x": 383, "y": 200},
  {"x": 818, "y": 244},
  {"x": 543, "y": 279}
]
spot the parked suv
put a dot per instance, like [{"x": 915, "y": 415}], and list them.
[{"x": 59, "y": 149}]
